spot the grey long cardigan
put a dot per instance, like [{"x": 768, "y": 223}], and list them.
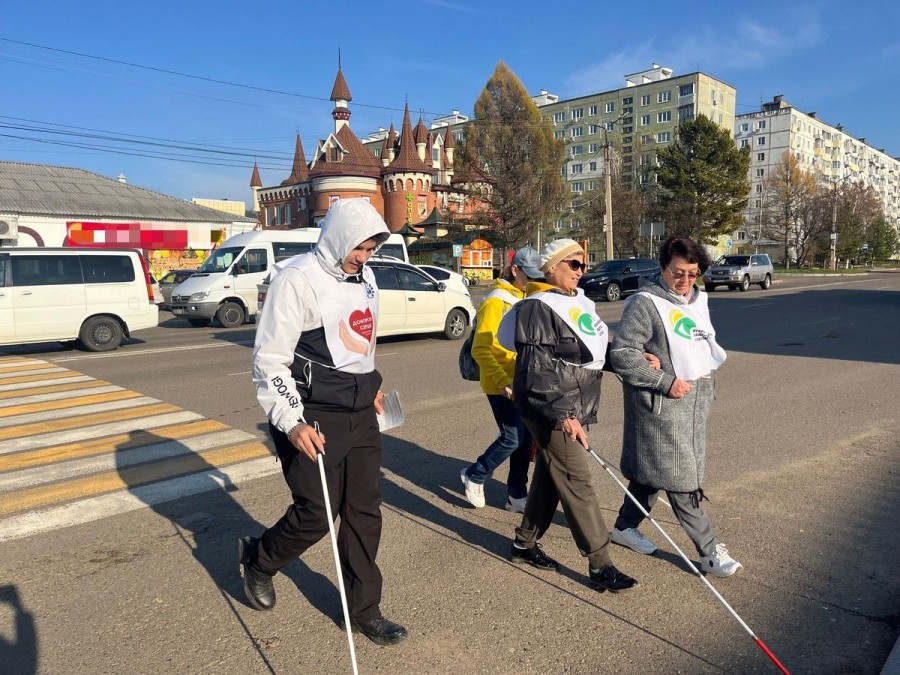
[{"x": 664, "y": 442}]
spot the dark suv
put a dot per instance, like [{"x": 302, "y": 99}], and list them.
[{"x": 615, "y": 278}]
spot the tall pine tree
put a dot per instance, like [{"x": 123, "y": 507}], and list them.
[{"x": 704, "y": 181}]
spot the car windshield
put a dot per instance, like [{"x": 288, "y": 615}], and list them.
[
  {"x": 221, "y": 259},
  {"x": 735, "y": 260}
]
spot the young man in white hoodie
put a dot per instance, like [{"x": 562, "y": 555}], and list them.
[{"x": 314, "y": 371}]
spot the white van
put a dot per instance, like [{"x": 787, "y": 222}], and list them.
[
  {"x": 95, "y": 295},
  {"x": 225, "y": 285}
]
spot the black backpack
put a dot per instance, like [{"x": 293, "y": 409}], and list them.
[{"x": 468, "y": 366}]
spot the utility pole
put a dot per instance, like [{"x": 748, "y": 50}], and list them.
[
  {"x": 609, "y": 220},
  {"x": 834, "y": 228}
]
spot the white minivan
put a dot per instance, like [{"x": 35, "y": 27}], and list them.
[
  {"x": 225, "y": 285},
  {"x": 95, "y": 295}
]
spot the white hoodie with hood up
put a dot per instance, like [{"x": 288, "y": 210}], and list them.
[{"x": 319, "y": 323}]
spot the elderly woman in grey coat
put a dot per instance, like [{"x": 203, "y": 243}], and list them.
[{"x": 664, "y": 443}]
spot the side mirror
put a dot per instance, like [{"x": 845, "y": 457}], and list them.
[
  {"x": 442, "y": 286},
  {"x": 235, "y": 271}
]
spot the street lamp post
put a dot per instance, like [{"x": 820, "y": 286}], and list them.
[
  {"x": 608, "y": 185},
  {"x": 833, "y": 264}
]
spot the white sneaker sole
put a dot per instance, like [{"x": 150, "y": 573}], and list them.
[{"x": 465, "y": 482}]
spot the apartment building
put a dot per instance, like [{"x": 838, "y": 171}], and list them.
[{"x": 828, "y": 152}]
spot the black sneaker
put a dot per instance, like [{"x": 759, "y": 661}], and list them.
[
  {"x": 258, "y": 586},
  {"x": 533, "y": 556},
  {"x": 380, "y": 631},
  {"x": 608, "y": 578}
]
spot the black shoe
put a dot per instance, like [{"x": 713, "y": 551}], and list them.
[
  {"x": 380, "y": 631},
  {"x": 533, "y": 556},
  {"x": 258, "y": 586},
  {"x": 608, "y": 578}
]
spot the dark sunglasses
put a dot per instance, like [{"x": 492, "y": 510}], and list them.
[{"x": 575, "y": 265}]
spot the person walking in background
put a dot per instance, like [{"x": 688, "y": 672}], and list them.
[
  {"x": 666, "y": 410},
  {"x": 314, "y": 371},
  {"x": 561, "y": 346},
  {"x": 496, "y": 365}
]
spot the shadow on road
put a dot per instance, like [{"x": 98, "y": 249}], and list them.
[{"x": 19, "y": 655}]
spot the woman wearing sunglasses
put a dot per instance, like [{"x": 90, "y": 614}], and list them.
[
  {"x": 561, "y": 348},
  {"x": 664, "y": 441}
]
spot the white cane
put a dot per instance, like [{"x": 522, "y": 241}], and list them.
[{"x": 320, "y": 460}]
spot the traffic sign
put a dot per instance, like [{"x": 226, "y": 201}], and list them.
[
  {"x": 729, "y": 243},
  {"x": 457, "y": 250}
]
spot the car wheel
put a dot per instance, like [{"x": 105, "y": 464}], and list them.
[
  {"x": 230, "y": 315},
  {"x": 709, "y": 288},
  {"x": 613, "y": 292},
  {"x": 199, "y": 323},
  {"x": 745, "y": 284},
  {"x": 455, "y": 326},
  {"x": 100, "y": 334},
  {"x": 765, "y": 283}
]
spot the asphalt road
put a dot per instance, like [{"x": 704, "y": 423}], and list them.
[{"x": 802, "y": 478}]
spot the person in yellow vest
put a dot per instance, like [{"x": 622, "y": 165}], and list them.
[{"x": 496, "y": 366}]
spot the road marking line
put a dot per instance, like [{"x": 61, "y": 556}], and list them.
[
  {"x": 20, "y": 432},
  {"x": 25, "y": 420},
  {"x": 39, "y": 381},
  {"x": 58, "y": 392},
  {"x": 118, "y": 458},
  {"x": 21, "y": 362},
  {"x": 69, "y": 451},
  {"x": 246, "y": 372},
  {"x": 124, "y": 501},
  {"x": 129, "y": 477},
  {"x": 36, "y": 375},
  {"x": 75, "y": 433},
  {"x": 13, "y": 368},
  {"x": 140, "y": 352},
  {"x": 57, "y": 406}
]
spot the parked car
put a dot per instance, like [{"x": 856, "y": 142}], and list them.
[
  {"x": 739, "y": 271},
  {"x": 411, "y": 301},
  {"x": 453, "y": 280},
  {"x": 98, "y": 296},
  {"x": 169, "y": 283},
  {"x": 614, "y": 279}
]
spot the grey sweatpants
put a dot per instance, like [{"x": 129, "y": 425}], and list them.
[
  {"x": 687, "y": 508},
  {"x": 562, "y": 476}
]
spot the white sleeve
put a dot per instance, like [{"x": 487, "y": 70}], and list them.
[{"x": 279, "y": 327}]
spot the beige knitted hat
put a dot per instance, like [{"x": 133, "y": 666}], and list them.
[{"x": 558, "y": 250}]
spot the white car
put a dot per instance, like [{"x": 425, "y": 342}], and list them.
[
  {"x": 453, "y": 280},
  {"x": 410, "y": 302}
]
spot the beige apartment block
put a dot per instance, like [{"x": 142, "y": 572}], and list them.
[{"x": 828, "y": 152}]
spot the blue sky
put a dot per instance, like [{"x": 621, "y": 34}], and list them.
[{"x": 834, "y": 58}]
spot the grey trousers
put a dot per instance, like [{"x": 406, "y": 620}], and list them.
[
  {"x": 562, "y": 476},
  {"x": 687, "y": 508}
]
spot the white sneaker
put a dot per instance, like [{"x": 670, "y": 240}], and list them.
[
  {"x": 474, "y": 491},
  {"x": 721, "y": 564},
  {"x": 633, "y": 539},
  {"x": 515, "y": 505}
]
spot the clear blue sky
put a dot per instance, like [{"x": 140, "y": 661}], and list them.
[{"x": 835, "y": 58}]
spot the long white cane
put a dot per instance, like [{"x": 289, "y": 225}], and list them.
[
  {"x": 320, "y": 460},
  {"x": 759, "y": 642}
]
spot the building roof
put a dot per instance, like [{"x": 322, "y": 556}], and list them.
[
  {"x": 421, "y": 131},
  {"x": 352, "y": 158},
  {"x": 255, "y": 180},
  {"x": 299, "y": 172},
  {"x": 340, "y": 91},
  {"x": 47, "y": 190},
  {"x": 407, "y": 159}
]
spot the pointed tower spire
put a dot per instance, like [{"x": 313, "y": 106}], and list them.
[
  {"x": 408, "y": 158},
  {"x": 340, "y": 94},
  {"x": 299, "y": 172},
  {"x": 255, "y": 180}
]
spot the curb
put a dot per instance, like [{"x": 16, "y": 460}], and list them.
[{"x": 892, "y": 665}]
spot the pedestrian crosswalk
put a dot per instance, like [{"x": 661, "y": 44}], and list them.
[{"x": 75, "y": 449}]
